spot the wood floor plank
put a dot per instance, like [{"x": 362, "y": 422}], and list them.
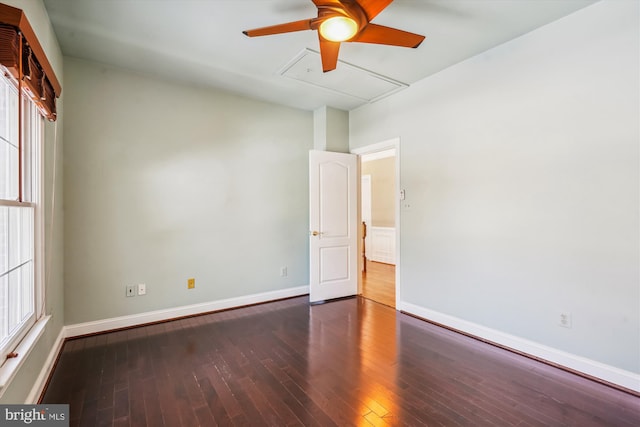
[
  {"x": 226, "y": 398},
  {"x": 121, "y": 403},
  {"x": 379, "y": 283},
  {"x": 349, "y": 362},
  {"x": 89, "y": 413},
  {"x": 214, "y": 402},
  {"x": 181, "y": 405},
  {"x": 104, "y": 417},
  {"x": 314, "y": 415},
  {"x": 270, "y": 388}
]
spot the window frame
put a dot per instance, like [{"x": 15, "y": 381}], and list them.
[{"x": 32, "y": 177}]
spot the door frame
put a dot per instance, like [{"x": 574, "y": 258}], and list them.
[{"x": 370, "y": 149}]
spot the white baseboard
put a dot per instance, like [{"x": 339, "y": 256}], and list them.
[
  {"x": 172, "y": 313},
  {"x": 590, "y": 367},
  {"x": 40, "y": 382}
]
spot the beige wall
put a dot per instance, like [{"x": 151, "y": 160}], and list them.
[{"x": 383, "y": 186}]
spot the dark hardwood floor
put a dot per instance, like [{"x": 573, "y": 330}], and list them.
[{"x": 348, "y": 362}]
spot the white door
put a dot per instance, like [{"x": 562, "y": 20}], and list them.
[{"x": 333, "y": 218}]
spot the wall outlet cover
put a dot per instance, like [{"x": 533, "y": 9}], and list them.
[{"x": 564, "y": 319}]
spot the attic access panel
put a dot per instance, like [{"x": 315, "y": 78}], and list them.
[{"x": 346, "y": 79}]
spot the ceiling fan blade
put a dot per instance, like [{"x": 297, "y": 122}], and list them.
[
  {"x": 327, "y": 3},
  {"x": 289, "y": 27},
  {"x": 329, "y": 53},
  {"x": 380, "y": 34},
  {"x": 373, "y": 7}
]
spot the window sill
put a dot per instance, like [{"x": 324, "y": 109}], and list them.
[{"x": 11, "y": 366}]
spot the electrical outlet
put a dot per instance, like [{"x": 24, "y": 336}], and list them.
[
  {"x": 130, "y": 291},
  {"x": 283, "y": 271},
  {"x": 142, "y": 289},
  {"x": 191, "y": 283},
  {"x": 565, "y": 320}
]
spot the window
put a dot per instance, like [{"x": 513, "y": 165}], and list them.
[
  {"x": 28, "y": 92},
  {"x": 20, "y": 217}
]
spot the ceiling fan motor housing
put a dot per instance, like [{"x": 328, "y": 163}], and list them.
[{"x": 350, "y": 9}]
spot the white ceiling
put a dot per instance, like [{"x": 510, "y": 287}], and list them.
[{"x": 201, "y": 41}]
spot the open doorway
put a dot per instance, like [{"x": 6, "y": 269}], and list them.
[{"x": 379, "y": 209}]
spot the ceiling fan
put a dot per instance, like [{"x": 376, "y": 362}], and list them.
[{"x": 344, "y": 21}]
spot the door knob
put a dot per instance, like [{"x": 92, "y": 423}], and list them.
[{"x": 316, "y": 233}]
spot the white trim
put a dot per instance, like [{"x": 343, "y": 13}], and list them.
[
  {"x": 377, "y": 155},
  {"x": 39, "y": 277},
  {"x": 379, "y": 146},
  {"x": 590, "y": 367},
  {"x": 17, "y": 204},
  {"x": 41, "y": 381},
  {"x": 172, "y": 313},
  {"x": 12, "y": 366},
  {"x": 344, "y": 66},
  {"x": 382, "y": 244}
]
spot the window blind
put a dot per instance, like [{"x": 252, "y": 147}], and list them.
[{"x": 22, "y": 55}]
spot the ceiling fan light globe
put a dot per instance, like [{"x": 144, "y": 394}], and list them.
[{"x": 338, "y": 28}]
